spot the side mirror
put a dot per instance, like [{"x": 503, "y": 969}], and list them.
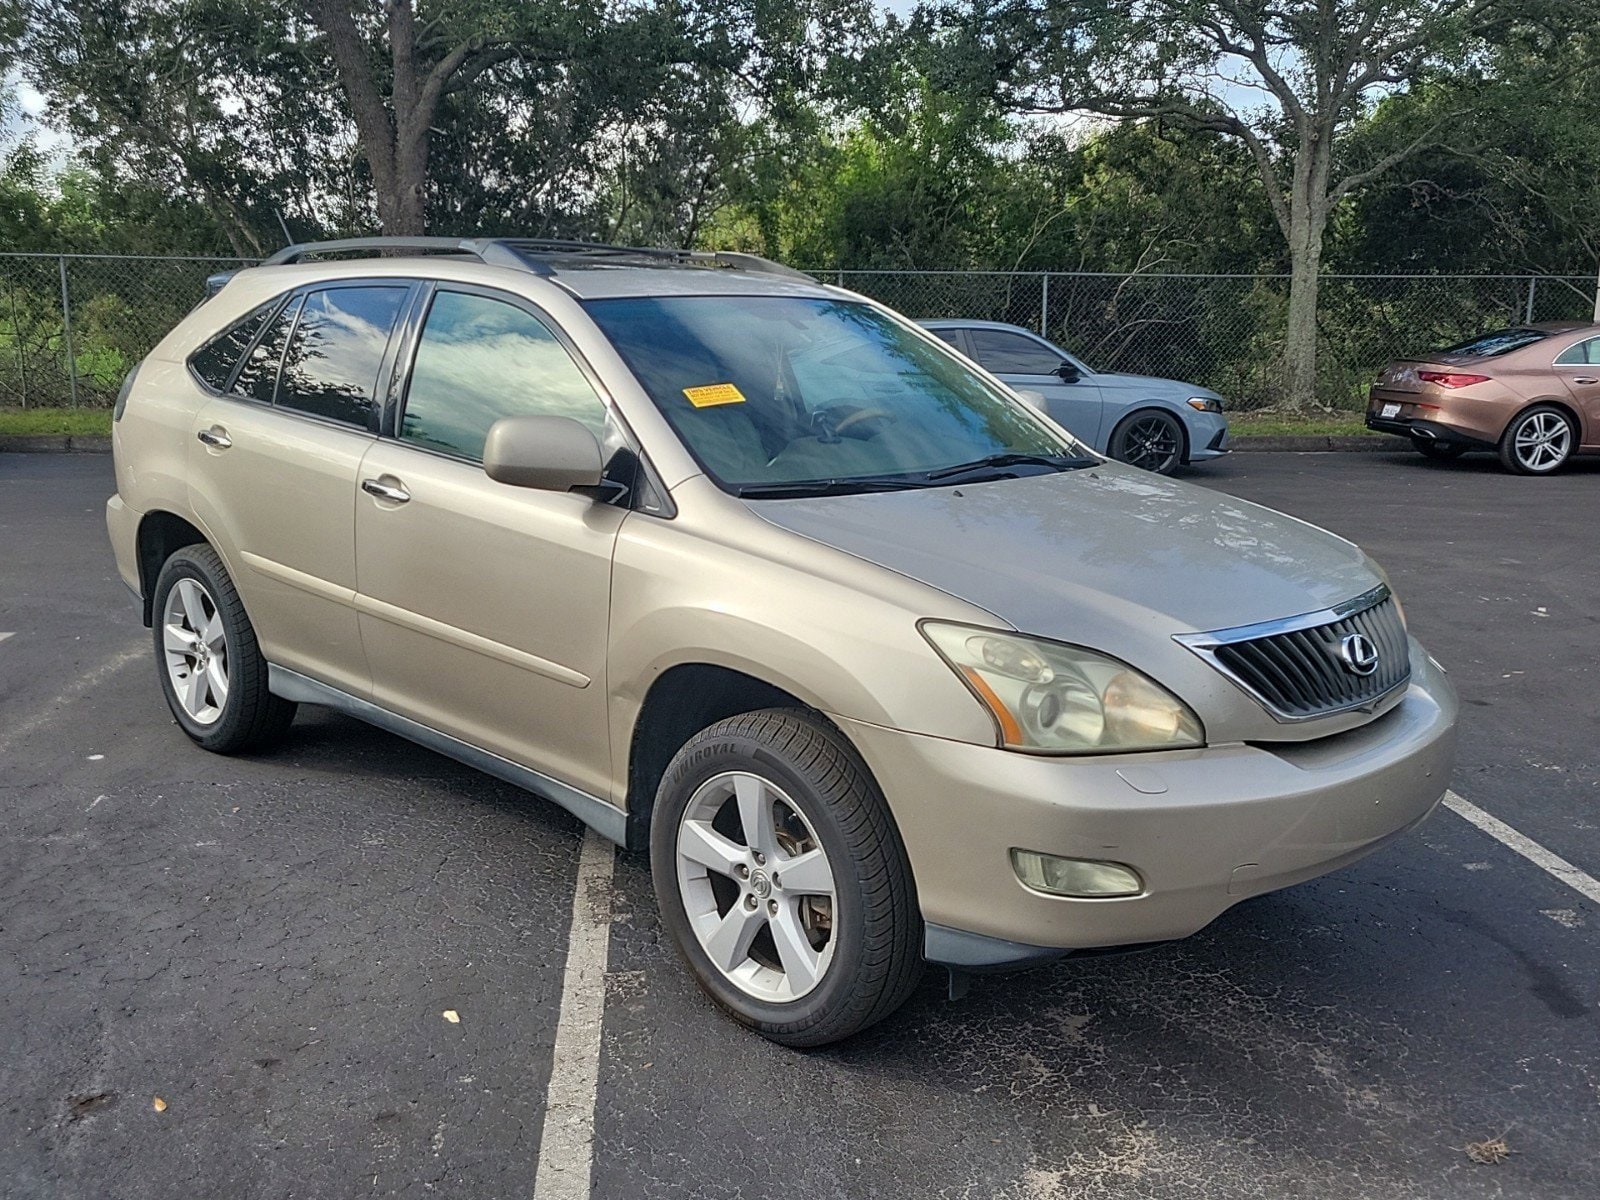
[
  {"x": 1031, "y": 398},
  {"x": 1068, "y": 373},
  {"x": 553, "y": 454}
]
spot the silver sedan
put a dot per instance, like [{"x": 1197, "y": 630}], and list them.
[{"x": 1146, "y": 422}]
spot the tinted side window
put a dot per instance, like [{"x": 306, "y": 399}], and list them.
[
  {"x": 1582, "y": 354},
  {"x": 258, "y": 377},
  {"x": 951, "y": 337},
  {"x": 1007, "y": 353},
  {"x": 479, "y": 360},
  {"x": 331, "y": 369},
  {"x": 214, "y": 362}
]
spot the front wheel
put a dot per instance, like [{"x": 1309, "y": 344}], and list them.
[
  {"x": 1538, "y": 441},
  {"x": 212, "y": 671},
  {"x": 1151, "y": 440},
  {"x": 782, "y": 879}
]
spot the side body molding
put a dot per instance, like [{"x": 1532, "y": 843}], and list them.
[{"x": 605, "y": 819}]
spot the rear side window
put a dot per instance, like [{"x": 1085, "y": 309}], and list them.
[
  {"x": 214, "y": 362},
  {"x": 1583, "y": 354},
  {"x": 1501, "y": 341},
  {"x": 258, "y": 376},
  {"x": 480, "y": 359},
  {"x": 1007, "y": 353},
  {"x": 331, "y": 368}
]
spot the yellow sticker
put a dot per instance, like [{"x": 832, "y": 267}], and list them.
[{"x": 713, "y": 394}]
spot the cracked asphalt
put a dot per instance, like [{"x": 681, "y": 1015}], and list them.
[{"x": 268, "y": 944}]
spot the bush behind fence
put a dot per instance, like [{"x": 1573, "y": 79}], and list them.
[{"x": 71, "y": 326}]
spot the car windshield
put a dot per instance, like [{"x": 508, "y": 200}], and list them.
[
  {"x": 780, "y": 395},
  {"x": 1501, "y": 341}
]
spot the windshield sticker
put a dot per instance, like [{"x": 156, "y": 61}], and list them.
[{"x": 713, "y": 394}]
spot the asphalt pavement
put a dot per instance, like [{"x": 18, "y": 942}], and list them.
[{"x": 270, "y": 945}]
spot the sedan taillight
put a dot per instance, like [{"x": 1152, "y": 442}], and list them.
[{"x": 1451, "y": 379}]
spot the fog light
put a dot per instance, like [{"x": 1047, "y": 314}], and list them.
[{"x": 1074, "y": 876}]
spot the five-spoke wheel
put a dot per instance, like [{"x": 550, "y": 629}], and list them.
[
  {"x": 782, "y": 879},
  {"x": 757, "y": 886},
  {"x": 212, "y": 671}
]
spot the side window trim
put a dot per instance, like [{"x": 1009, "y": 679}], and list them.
[
  {"x": 1585, "y": 350},
  {"x": 408, "y": 335},
  {"x": 276, "y": 304},
  {"x": 298, "y": 296}
]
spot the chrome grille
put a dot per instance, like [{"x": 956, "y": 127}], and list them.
[{"x": 1297, "y": 668}]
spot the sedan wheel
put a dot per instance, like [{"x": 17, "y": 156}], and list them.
[
  {"x": 1538, "y": 441},
  {"x": 1151, "y": 441}
]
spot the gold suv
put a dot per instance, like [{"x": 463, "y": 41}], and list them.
[{"x": 880, "y": 664}]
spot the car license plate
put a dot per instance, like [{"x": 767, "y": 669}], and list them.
[{"x": 1389, "y": 410}]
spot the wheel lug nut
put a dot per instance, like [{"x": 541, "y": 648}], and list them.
[
  {"x": 750, "y": 901},
  {"x": 772, "y": 907},
  {"x": 760, "y": 858},
  {"x": 742, "y": 871}
]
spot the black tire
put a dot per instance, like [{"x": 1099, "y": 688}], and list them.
[
  {"x": 1515, "y": 458},
  {"x": 876, "y": 927},
  {"x": 1151, "y": 439},
  {"x": 1437, "y": 450},
  {"x": 251, "y": 717}
]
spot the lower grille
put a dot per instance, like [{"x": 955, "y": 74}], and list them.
[{"x": 1347, "y": 657}]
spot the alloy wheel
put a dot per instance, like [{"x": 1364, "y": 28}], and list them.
[
  {"x": 757, "y": 887},
  {"x": 196, "y": 651},
  {"x": 1542, "y": 441},
  {"x": 1151, "y": 443}
]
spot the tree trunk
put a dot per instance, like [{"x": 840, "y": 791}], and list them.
[{"x": 1308, "y": 221}]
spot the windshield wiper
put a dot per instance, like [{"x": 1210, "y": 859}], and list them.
[
  {"x": 1011, "y": 458},
  {"x": 825, "y": 487}
]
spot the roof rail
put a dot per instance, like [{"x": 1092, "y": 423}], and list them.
[{"x": 532, "y": 254}]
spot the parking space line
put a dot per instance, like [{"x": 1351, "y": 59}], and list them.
[
  {"x": 48, "y": 711},
  {"x": 1551, "y": 863},
  {"x": 4, "y": 636},
  {"x": 566, "y": 1148}
]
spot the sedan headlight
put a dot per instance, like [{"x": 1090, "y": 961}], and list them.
[
  {"x": 1204, "y": 404},
  {"x": 1056, "y": 699}
]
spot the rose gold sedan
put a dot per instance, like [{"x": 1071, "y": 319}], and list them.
[{"x": 1531, "y": 393}]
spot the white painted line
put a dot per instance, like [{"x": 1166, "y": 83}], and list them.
[
  {"x": 566, "y": 1149},
  {"x": 4, "y": 636},
  {"x": 51, "y": 709},
  {"x": 1584, "y": 884}
]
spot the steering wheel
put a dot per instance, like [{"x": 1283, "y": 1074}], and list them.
[{"x": 862, "y": 415}]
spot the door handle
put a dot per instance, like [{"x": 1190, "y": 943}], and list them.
[
  {"x": 1585, "y": 379},
  {"x": 384, "y": 491},
  {"x": 215, "y": 436}
]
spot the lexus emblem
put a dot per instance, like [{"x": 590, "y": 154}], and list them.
[{"x": 1359, "y": 655}]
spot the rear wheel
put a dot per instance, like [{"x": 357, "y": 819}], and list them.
[
  {"x": 782, "y": 878},
  {"x": 1539, "y": 441},
  {"x": 212, "y": 671},
  {"x": 1437, "y": 450},
  {"x": 1151, "y": 440}
]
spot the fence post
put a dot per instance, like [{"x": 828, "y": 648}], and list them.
[
  {"x": 1044, "y": 304},
  {"x": 66, "y": 325},
  {"x": 16, "y": 335},
  {"x": 1533, "y": 285},
  {"x": 1597, "y": 296}
]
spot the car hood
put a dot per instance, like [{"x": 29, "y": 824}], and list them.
[
  {"x": 1092, "y": 555},
  {"x": 1151, "y": 385}
]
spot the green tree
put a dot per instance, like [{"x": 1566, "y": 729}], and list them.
[{"x": 1288, "y": 80}]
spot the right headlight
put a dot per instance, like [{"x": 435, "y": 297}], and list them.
[{"x": 1052, "y": 698}]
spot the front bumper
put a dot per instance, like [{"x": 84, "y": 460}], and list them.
[
  {"x": 122, "y": 527},
  {"x": 1204, "y": 828},
  {"x": 1208, "y": 435}
]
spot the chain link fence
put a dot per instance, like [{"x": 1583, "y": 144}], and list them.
[
  {"x": 1226, "y": 331},
  {"x": 71, "y": 326}
]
